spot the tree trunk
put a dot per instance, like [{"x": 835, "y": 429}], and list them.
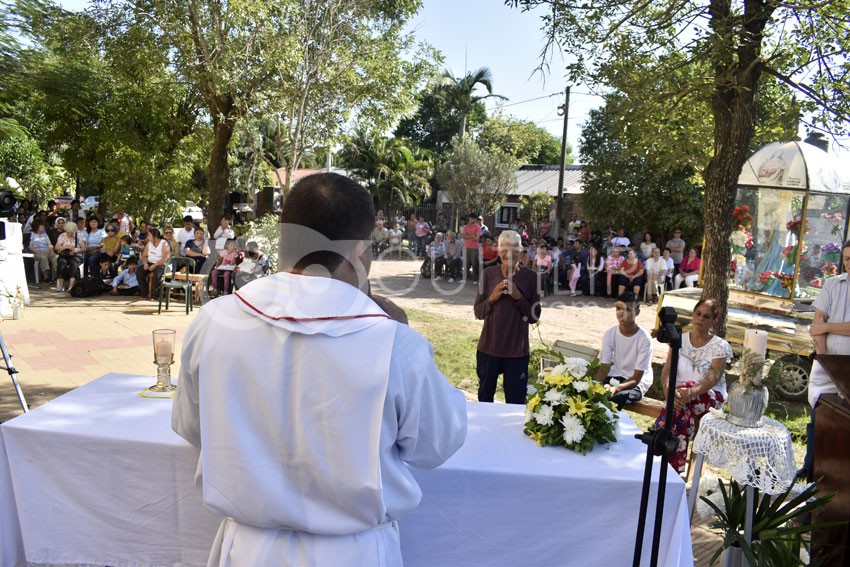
[
  {"x": 736, "y": 77},
  {"x": 218, "y": 172}
]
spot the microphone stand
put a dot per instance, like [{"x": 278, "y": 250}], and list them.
[{"x": 659, "y": 442}]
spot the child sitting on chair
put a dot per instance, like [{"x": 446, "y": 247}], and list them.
[{"x": 225, "y": 265}]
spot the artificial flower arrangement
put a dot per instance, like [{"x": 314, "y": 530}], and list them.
[
  {"x": 16, "y": 298},
  {"x": 766, "y": 277},
  {"x": 836, "y": 221},
  {"x": 741, "y": 240},
  {"x": 568, "y": 407},
  {"x": 742, "y": 215},
  {"x": 830, "y": 270},
  {"x": 797, "y": 225},
  {"x": 785, "y": 280},
  {"x": 831, "y": 252}
]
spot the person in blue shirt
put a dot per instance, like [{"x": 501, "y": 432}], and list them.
[
  {"x": 127, "y": 283},
  {"x": 94, "y": 245}
]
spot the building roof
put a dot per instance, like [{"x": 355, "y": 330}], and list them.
[{"x": 544, "y": 179}]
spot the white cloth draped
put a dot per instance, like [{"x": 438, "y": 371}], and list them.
[
  {"x": 120, "y": 487},
  {"x": 306, "y": 401}
]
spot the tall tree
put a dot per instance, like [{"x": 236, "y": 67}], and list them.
[
  {"x": 395, "y": 174},
  {"x": 460, "y": 95},
  {"x": 228, "y": 52},
  {"x": 103, "y": 100},
  {"x": 356, "y": 64},
  {"x": 623, "y": 187},
  {"x": 624, "y": 44},
  {"x": 526, "y": 142},
  {"x": 310, "y": 64},
  {"x": 434, "y": 125},
  {"x": 476, "y": 180}
]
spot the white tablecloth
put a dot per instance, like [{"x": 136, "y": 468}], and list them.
[{"x": 99, "y": 478}]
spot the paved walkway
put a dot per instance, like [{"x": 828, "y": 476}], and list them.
[{"x": 62, "y": 342}]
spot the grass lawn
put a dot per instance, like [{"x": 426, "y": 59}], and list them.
[{"x": 454, "y": 342}]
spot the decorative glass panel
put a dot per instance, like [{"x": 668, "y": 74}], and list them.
[
  {"x": 766, "y": 240},
  {"x": 821, "y": 257}
]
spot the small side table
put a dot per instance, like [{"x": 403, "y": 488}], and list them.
[{"x": 758, "y": 457}]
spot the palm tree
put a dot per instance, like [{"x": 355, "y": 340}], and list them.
[
  {"x": 394, "y": 174},
  {"x": 459, "y": 92}
]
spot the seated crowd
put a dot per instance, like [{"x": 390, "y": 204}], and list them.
[
  {"x": 85, "y": 256},
  {"x": 583, "y": 262}
]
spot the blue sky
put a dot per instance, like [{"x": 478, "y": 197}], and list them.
[{"x": 485, "y": 33}]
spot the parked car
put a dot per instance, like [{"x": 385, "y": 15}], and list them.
[
  {"x": 189, "y": 208},
  {"x": 90, "y": 203}
]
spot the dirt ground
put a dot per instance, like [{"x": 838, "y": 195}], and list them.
[{"x": 580, "y": 320}]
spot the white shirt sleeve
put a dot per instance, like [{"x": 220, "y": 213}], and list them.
[
  {"x": 186, "y": 413},
  {"x": 431, "y": 412},
  {"x": 607, "y": 354}
]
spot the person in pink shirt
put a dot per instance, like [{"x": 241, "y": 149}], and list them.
[
  {"x": 470, "y": 235},
  {"x": 543, "y": 266},
  {"x": 612, "y": 266},
  {"x": 422, "y": 230},
  {"x": 225, "y": 265},
  {"x": 545, "y": 228}
]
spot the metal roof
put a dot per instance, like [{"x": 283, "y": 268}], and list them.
[{"x": 544, "y": 179}]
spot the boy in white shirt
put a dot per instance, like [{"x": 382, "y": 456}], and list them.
[
  {"x": 185, "y": 234},
  {"x": 626, "y": 357}
]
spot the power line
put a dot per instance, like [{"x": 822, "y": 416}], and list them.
[{"x": 529, "y": 100}]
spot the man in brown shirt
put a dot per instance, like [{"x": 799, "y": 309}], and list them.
[{"x": 508, "y": 301}]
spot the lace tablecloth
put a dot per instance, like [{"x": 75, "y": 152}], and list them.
[{"x": 761, "y": 457}]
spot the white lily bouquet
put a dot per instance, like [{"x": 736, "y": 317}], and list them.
[{"x": 568, "y": 407}]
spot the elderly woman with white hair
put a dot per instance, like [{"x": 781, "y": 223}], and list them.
[
  {"x": 508, "y": 301},
  {"x": 69, "y": 247}
]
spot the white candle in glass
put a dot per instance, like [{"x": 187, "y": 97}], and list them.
[
  {"x": 163, "y": 348},
  {"x": 756, "y": 341}
]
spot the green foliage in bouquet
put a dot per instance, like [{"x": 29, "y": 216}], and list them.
[{"x": 568, "y": 407}]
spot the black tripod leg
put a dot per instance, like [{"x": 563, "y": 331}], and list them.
[
  {"x": 12, "y": 374},
  {"x": 644, "y": 504},
  {"x": 659, "y": 510}
]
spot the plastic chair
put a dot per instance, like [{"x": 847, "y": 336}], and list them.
[
  {"x": 654, "y": 285},
  {"x": 172, "y": 268}
]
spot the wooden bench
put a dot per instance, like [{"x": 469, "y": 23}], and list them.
[
  {"x": 568, "y": 350},
  {"x": 647, "y": 406}
]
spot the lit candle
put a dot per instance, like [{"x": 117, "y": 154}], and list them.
[
  {"x": 163, "y": 348},
  {"x": 756, "y": 341}
]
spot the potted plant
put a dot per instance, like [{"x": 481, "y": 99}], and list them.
[{"x": 779, "y": 524}]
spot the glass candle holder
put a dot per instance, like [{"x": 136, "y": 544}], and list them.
[{"x": 164, "y": 343}]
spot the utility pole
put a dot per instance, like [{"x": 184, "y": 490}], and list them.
[{"x": 563, "y": 110}]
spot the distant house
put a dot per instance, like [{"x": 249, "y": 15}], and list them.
[{"x": 541, "y": 179}]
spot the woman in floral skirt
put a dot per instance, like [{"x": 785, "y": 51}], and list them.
[{"x": 700, "y": 378}]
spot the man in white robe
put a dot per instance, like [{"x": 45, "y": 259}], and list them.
[{"x": 308, "y": 402}]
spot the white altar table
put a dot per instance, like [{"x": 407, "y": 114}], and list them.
[{"x": 98, "y": 478}]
